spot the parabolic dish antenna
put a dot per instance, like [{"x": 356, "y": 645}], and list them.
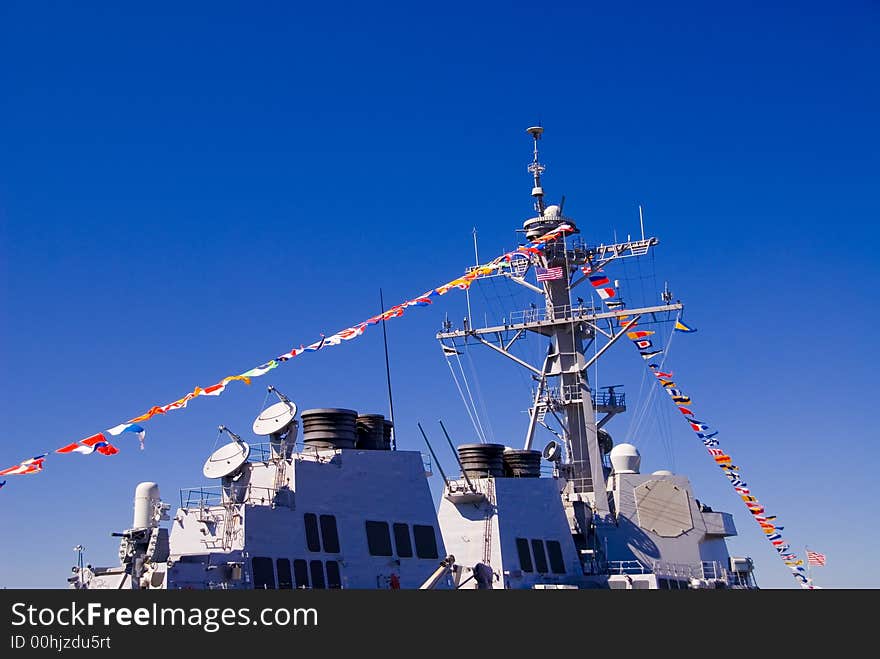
[
  {"x": 275, "y": 418},
  {"x": 226, "y": 460}
]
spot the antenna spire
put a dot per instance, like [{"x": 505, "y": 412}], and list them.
[{"x": 536, "y": 168}]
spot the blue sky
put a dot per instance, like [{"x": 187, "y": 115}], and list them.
[{"x": 186, "y": 193}]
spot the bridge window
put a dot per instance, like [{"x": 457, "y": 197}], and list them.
[
  {"x": 525, "y": 556},
  {"x": 334, "y": 579},
  {"x": 540, "y": 556},
  {"x": 301, "y": 573},
  {"x": 402, "y": 541},
  {"x": 285, "y": 582},
  {"x": 426, "y": 541},
  {"x": 554, "y": 553},
  {"x": 329, "y": 534},
  {"x": 317, "y": 570},
  {"x": 313, "y": 539},
  {"x": 264, "y": 573},
  {"x": 378, "y": 539}
]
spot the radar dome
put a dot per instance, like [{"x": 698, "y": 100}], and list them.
[
  {"x": 662, "y": 472},
  {"x": 551, "y": 211},
  {"x": 625, "y": 459}
]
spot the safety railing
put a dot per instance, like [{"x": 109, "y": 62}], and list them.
[
  {"x": 212, "y": 495},
  {"x": 558, "y": 312},
  {"x": 626, "y": 567}
]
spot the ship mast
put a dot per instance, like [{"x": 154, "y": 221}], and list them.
[
  {"x": 569, "y": 331},
  {"x": 565, "y": 358}
]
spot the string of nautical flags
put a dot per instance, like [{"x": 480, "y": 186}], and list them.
[
  {"x": 708, "y": 436},
  {"x": 100, "y": 442}
]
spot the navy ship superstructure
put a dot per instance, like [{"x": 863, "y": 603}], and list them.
[{"x": 344, "y": 509}]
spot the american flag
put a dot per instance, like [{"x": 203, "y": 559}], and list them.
[
  {"x": 815, "y": 558},
  {"x": 546, "y": 274}
]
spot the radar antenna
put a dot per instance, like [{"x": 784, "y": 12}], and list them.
[{"x": 536, "y": 168}]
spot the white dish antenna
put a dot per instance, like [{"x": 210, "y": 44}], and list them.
[
  {"x": 275, "y": 418},
  {"x": 226, "y": 460}
]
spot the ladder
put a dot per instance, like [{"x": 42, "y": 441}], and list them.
[{"x": 490, "y": 513}]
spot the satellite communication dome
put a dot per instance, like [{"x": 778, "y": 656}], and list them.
[
  {"x": 662, "y": 472},
  {"x": 552, "y": 211},
  {"x": 625, "y": 459}
]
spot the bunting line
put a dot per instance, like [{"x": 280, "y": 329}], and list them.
[
  {"x": 704, "y": 432},
  {"x": 98, "y": 443}
]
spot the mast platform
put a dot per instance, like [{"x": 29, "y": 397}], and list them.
[{"x": 544, "y": 321}]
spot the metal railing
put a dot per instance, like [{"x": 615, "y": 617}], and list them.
[
  {"x": 212, "y": 495},
  {"x": 570, "y": 393},
  {"x": 626, "y": 567},
  {"x": 558, "y": 312},
  {"x": 201, "y": 497},
  {"x": 617, "y": 399},
  {"x": 714, "y": 570}
]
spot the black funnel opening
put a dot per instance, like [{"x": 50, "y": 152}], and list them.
[{"x": 482, "y": 460}]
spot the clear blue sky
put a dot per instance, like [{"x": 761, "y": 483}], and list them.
[{"x": 187, "y": 192}]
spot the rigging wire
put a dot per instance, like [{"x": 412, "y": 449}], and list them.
[
  {"x": 481, "y": 432},
  {"x": 464, "y": 400},
  {"x": 479, "y": 391}
]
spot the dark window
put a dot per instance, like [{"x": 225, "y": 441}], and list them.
[
  {"x": 379, "y": 539},
  {"x": 540, "y": 556},
  {"x": 264, "y": 573},
  {"x": 317, "y": 570},
  {"x": 333, "y": 578},
  {"x": 554, "y": 553},
  {"x": 313, "y": 540},
  {"x": 301, "y": 573},
  {"x": 525, "y": 556},
  {"x": 402, "y": 541},
  {"x": 329, "y": 534},
  {"x": 426, "y": 541},
  {"x": 663, "y": 584},
  {"x": 284, "y": 580}
]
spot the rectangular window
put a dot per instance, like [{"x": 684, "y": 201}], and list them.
[
  {"x": 426, "y": 541},
  {"x": 554, "y": 553},
  {"x": 317, "y": 570},
  {"x": 525, "y": 556},
  {"x": 264, "y": 573},
  {"x": 285, "y": 582},
  {"x": 379, "y": 539},
  {"x": 334, "y": 580},
  {"x": 329, "y": 534},
  {"x": 402, "y": 541},
  {"x": 540, "y": 556},
  {"x": 313, "y": 540},
  {"x": 301, "y": 573}
]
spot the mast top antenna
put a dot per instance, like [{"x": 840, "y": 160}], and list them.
[{"x": 536, "y": 168}]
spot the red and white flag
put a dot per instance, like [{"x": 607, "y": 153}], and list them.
[
  {"x": 89, "y": 445},
  {"x": 29, "y": 466},
  {"x": 815, "y": 558}
]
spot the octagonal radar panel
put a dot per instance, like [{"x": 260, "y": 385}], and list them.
[
  {"x": 226, "y": 460},
  {"x": 275, "y": 418}
]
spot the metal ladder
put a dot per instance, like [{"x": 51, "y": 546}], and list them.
[{"x": 490, "y": 513}]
